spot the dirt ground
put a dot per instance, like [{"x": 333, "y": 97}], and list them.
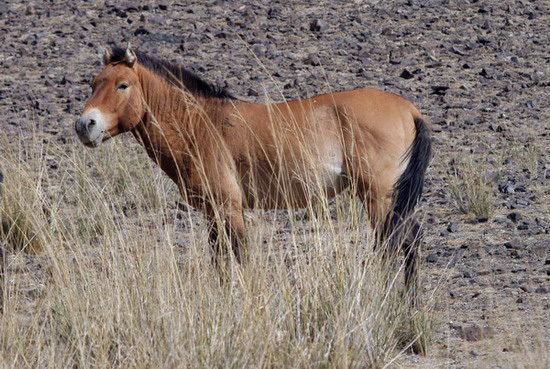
[{"x": 478, "y": 70}]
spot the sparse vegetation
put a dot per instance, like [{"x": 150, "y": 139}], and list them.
[{"x": 471, "y": 188}]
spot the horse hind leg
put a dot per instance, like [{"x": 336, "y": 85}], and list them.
[
  {"x": 411, "y": 246},
  {"x": 405, "y": 235}
]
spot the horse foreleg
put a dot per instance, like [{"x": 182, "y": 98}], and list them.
[{"x": 227, "y": 233}]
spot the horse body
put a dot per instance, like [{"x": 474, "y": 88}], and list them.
[
  {"x": 328, "y": 140},
  {"x": 227, "y": 155}
]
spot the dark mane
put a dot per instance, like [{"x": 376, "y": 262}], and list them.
[{"x": 174, "y": 74}]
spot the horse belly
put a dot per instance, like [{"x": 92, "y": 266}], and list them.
[{"x": 300, "y": 179}]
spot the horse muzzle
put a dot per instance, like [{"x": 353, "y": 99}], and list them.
[{"x": 90, "y": 128}]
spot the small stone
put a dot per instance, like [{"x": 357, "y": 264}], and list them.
[
  {"x": 522, "y": 202},
  {"x": 452, "y": 227},
  {"x": 541, "y": 290},
  {"x": 439, "y": 90},
  {"x": 496, "y": 127},
  {"x": 492, "y": 177},
  {"x": 318, "y": 25},
  {"x": 476, "y": 333},
  {"x": 141, "y": 31},
  {"x": 406, "y": 74},
  {"x": 526, "y": 289},
  {"x": 222, "y": 34},
  {"x": 312, "y": 59},
  {"x": 514, "y": 216},
  {"x": 432, "y": 258},
  {"x": 541, "y": 248},
  {"x": 487, "y": 73},
  {"x": 157, "y": 19},
  {"x": 523, "y": 226}
]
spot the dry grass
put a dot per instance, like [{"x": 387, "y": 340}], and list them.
[
  {"x": 470, "y": 186},
  {"x": 125, "y": 279}
]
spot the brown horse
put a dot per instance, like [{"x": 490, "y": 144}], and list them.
[{"x": 226, "y": 154}]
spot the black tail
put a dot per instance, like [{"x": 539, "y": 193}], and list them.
[{"x": 408, "y": 188}]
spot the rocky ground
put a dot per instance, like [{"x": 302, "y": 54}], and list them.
[{"x": 477, "y": 69}]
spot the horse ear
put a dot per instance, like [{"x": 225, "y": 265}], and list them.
[
  {"x": 130, "y": 56},
  {"x": 105, "y": 54}
]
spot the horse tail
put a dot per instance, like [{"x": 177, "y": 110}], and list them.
[{"x": 408, "y": 188}]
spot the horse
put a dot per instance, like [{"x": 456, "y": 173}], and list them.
[{"x": 226, "y": 155}]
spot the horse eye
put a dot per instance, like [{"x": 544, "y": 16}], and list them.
[{"x": 122, "y": 86}]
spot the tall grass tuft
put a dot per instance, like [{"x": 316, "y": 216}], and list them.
[{"x": 471, "y": 189}]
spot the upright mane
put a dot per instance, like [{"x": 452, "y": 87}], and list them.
[{"x": 174, "y": 74}]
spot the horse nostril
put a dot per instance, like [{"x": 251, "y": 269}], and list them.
[{"x": 91, "y": 123}]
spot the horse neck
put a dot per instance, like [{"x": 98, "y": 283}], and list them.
[{"x": 175, "y": 121}]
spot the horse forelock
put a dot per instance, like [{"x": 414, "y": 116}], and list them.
[{"x": 175, "y": 74}]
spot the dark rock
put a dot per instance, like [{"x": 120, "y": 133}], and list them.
[
  {"x": 312, "y": 59},
  {"x": 506, "y": 188},
  {"x": 487, "y": 73},
  {"x": 318, "y": 25},
  {"x": 513, "y": 245},
  {"x": 406, "y": 74},
  {"x": 526, "y": 289},
  {"x": 496, "y": 127},
  {"x": 456, "y": 50},
  {"x": 222, "y": 34},
  {"x": 141, "y": 31},
  {"x": 523, "y": 226},
  {"x": 514, "y": 216},
  {"x": 439, "y": 90}
]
